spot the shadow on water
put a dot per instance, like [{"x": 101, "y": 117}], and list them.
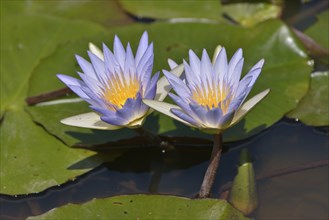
[{"x": 303, "y": 194}]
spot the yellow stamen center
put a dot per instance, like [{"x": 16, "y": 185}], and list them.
[
  {"x": 212, "y": 97},
  {"x": 118, "y": 91}
]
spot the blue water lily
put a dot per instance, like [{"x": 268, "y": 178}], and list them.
[
  {"x": 114, "y": 85},
  {"x": 211, "y": 96}
]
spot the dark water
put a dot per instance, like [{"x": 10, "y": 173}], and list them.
[{"x": 299, "y": 193}]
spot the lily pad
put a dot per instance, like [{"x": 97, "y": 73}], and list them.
[
  {"x": 22, "y": 49},
  {"x": 286, "y": 70},
  {"x": 313, "y": 109},
  {"x": 32, "y": 161},
  {"x": 50, "y": 116},
  {"x": 146, "y": 207},
  {"x": 173, "y": 9},
  {"x": 318, "y": 30},
  {"x": 249, "y": 15},
  {"x": 107, "y": 13}
]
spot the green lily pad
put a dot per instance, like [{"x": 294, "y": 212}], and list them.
[
  {"x": 26, "y": 40},
  {"x": 318, "y": 30},
  {"x": 51, "y": 115},
  {"x": 313, "y": 108},
  {"x": 32, "y": 160},
  {"x": 248, "y": 15},
  {"x": 22, "y": 49},
  {"x": 146, "y": 207},
  {"x": 107, "y": 13},
  {"x": 173, "y": 9},
  {"x": 286, "y": 70}
]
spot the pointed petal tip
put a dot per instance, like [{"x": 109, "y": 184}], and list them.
[{"x": 145, "y": 34}]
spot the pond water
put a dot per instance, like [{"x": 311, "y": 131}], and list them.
[{"x": 290, "y": 162}]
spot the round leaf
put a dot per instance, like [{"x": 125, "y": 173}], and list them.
[
  {"x": 32, "y": 160},
  {"x": 313, "y": 109},
  {"x": 146, "y": 207},
  {"x": 173, "y": 9}
]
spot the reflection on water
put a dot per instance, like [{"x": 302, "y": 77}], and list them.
[{"x": 301, "y": 194}]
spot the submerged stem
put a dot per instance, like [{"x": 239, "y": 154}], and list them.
[
  {"x": 153, "y": 139},
  {"x": 210, "y": 175}
]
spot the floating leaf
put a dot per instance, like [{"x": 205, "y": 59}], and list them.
[
  {"x": 249, "y": 15},
  {"x": 173, "y": 9},
  {"x": 22, "y": 49},
  {"x": 313, "y": 108},
  {"x": 107, "y": 13},
  {"x": 32, "y": 161},
  {"x": 286, "y": 71},
  {"x": 243, "y": 195},
  {"x": 51, "y": 115},
  {"x": 146, "y": 207},
  {"x": 319, "y": 30}
]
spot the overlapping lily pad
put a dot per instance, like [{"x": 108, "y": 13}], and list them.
[
  {"x": 173, "y": 9},
  {"x": 318, "y": 31},
  {"x": 146, "y": 207},
  {"x": 28, "y": 39},
  {"x": 286, "y": 70},
  {"x": 107, "y": 13},
  {"x": 248, "y": 15},
  {"x": 31, "y": 159},
  {"x": 313, "y": 109}
]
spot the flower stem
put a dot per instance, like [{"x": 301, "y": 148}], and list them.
[
  {"x": 153, "y": 139},
  {"x": 210, "y": 175}
]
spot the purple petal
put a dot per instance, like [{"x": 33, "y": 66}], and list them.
[
  {"x": 206, "y": 66},
  {"x": 68, "y": 80},
  {"x": 142, "y": 47},
  {"x": 184, "y": 116},
  {"x": 75, "y": 85},
  {"x": 145, "y": 62},
  {"x": 234, "y": 61},
  {"x": 92, "y": 84},
  {"x": 86, "y": 67},
  {"x": 259, "y": 64},
  {"x": 235, "y": 75},
  {"x": 97, "y": 100},
  {"x": 236, "y": 103},
  {"x": 103, "y": 111},
  {"x": 248, "y": 82},
  {"x": 99, "y": 67},
  {"x": 199, "y": 112},
  {"x": 109, "y": 60},
  {"x": 213, "y": 117},
  {"x": 177, "y": 84},
  {"x": 129, "y": 69},
  {"x": 133, "y": 109},
  {"x": 180, "y": 102},
  {"x": 225, "y": 120},
  {"x": 151, "y": 87},
  {"x": 220, "y": 67},
  {"x": 114, "y": 120},
  {"x": 195, "y": 63},
  {"x": 193, "y": 79},
  {"x": 119, "y": 52}
]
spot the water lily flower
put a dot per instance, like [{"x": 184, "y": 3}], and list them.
[
  {"x": 211, "y": 97},
  {"x": 114, "y": 85}
]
